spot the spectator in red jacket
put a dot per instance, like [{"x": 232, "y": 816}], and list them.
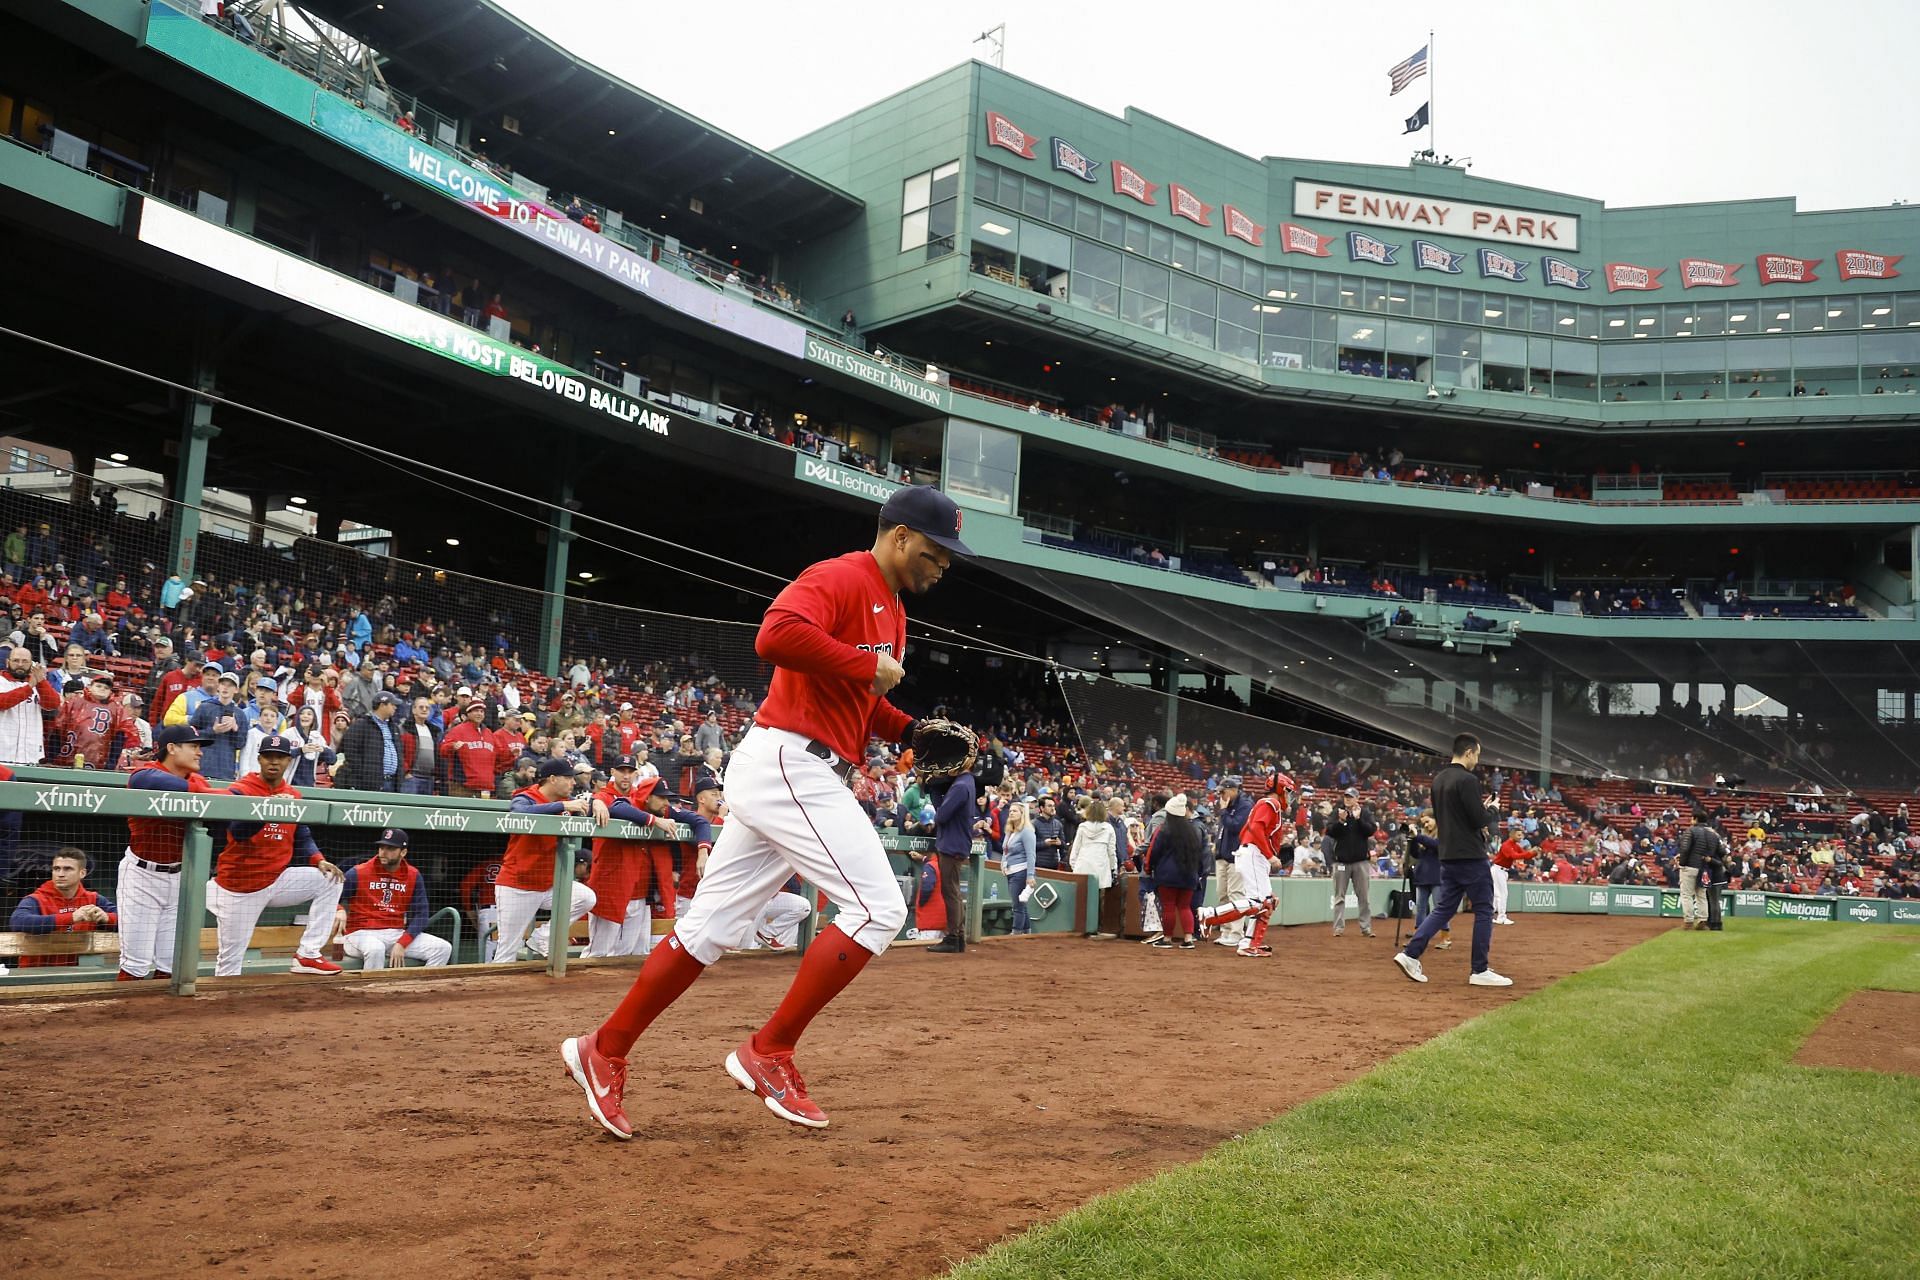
[
  {"x": 63, "y": 904},
  {"x": 472, "y": 766}
]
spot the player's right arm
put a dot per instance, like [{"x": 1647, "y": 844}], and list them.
[{"x": 797, "y": 632}]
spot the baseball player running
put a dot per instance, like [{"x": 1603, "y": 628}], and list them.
[
  {"x": 386, "y": 909},
  {"x": 150, "y": 872},
  {"x": 1255, "y": 861},
  {"x": 834, "y": 636},
  {"x": 270, "y": 863}
]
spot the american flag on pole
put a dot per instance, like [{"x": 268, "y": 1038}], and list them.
[{"x": 1407, "y": 72}]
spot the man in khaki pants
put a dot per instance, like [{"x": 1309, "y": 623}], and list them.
[{"x": 1697, "y": 844}]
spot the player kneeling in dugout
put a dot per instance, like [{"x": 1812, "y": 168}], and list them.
[{"x": 385, "y": 916}]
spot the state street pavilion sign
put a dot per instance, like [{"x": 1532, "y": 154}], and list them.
[{"x": 1332, "y": 202}]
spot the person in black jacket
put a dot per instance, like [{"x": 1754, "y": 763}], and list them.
[
  {"x": 1424, "y": 853},
  {"x": 1174, "y": 865},
  {"x": 1352, "y": 833},
  {"x": 952, "y": 842},
  {"x": 371, "y": 746},
  {"x": 1700, "y": 852},
  {"x": 1463, "y": 820}
]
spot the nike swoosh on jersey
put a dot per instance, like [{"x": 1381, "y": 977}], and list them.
[{"x": 879, "y": 608}]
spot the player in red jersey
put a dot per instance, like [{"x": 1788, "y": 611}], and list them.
[
  {"x": 63, "y": 904},
  {"x": 1259, "y": 855},
  {"x": 272, "y": 861},
  {"x": 834, "y": 637},
  {"x": 1513, "y": 852},
  {"x": 150, "y": 871},
  {"x": 625, "y": 871},
  {"x": 384, "y": 910},
  {"x": 524, "y": 887},
  {"x": 91, "y": 728},
  {"x": 476, "y": 894}
]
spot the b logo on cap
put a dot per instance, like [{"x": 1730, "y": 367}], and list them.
[{"x": 956, "y": 519}]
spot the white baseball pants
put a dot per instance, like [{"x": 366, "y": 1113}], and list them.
[
  {"x": 632, "y": 936},
  {"x": 517, "y": 909},
  {"x": 149, "y": 903},
  {"x": 372, "y": 945},
  {"x": 1227, "y": 888},
  {"x": 780, "y": 920},
  {"x": 238, "y": 913},
  {"x": 790, "y": 812},
  {"x": 1499, "y": 890}
]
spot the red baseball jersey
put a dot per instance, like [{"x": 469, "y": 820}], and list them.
[
  {"x": 90, "y": 731},
  {"x": 471, "y": 756},
  {"x": 1511, "y": 854},
  {"x": 158, "y": 839},
  {"x": 1263, "y": 826},
  {"x": 528, "y": 862},
  {"x": 477, "y": 889},
  {"x": 377, "y": 898},
  {"x": 257, "y": 852},
  {"x": 171, "y": 686},
  {"x": 824, "y": 634}
]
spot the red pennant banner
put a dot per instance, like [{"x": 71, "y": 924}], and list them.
[
  {"x": 1858, "y": 264},
  {"x": 1185, "y": 204},
  {"x": 1002, "y": 132},
  {"x": 1295, "y": 238},
  {"x": 1240, "y": 226},
  {"x": 1784, "y": 268},
  {"x": 1127, "y": 181},
  {"x": 1626, "y": 275},
  {"x": 1702, "y": 271}
]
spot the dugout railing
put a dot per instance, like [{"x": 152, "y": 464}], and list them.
[{"x": 46, "y": 809}]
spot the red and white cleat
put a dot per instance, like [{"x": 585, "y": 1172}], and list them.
[
  {"x": 602, "y": 1079},
  {"x": 770, "y": 942},
  {"x": 774, "y": 1078},
  {"x": 1255, "y": 952},
  {"x": 314, "y": 964}
]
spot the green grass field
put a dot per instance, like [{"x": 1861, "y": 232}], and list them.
[{"x": 1643, "y": 1118}]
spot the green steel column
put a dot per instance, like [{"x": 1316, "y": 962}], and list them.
[
  {"x": 559, "y": 536},
  {"x": 190, "y": 478},
  {"x": 976, "y": 908},
  {"x": 1546, "y": 726},
  {"x": 560, "y": 924},
  {"x": 1169, "y": 681},
  {"x": 196, "y": 860}
]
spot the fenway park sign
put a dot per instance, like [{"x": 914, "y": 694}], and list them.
[{"x": 1336, "y": 203}]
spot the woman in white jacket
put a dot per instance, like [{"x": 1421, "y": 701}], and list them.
[{"x": 1094, "y": 852}]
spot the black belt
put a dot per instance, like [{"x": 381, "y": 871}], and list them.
[
  {"x": 164, "y": 868},
  {"x": 841, "y": 768}
]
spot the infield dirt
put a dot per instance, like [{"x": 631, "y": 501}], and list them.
[
  {"x": 1870, "y": 1031},
  {"x": 400, "y": 1128}
]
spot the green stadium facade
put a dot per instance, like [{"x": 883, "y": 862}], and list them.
[{"x": 1665, "y": 491}]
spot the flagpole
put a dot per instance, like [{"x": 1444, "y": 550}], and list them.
[{"x": 1433, "y": 130}]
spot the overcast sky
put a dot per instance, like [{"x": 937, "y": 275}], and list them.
[{"x": 1630, "y": 102}]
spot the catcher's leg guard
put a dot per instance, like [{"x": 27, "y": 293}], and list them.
[
  {"x": 1259, "y": 937},
  {"x": 1227, "y": 912}
]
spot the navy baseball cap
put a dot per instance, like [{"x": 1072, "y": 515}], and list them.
[
  {"x": 623, "y": 762},
  {"x": 924, "y": 509},
  {"x": 387, "y": 700},
  {"x": 392, "y": 838},
  {"x": 554, "y": 769},
  {"x": 178, "y": 735},
  {"x": 276, "y": 744}
]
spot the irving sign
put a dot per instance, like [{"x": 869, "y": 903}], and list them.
[{"x": 1528, "y": 227}]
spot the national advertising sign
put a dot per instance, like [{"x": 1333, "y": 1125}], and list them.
[{"x": 486, "y": 194}]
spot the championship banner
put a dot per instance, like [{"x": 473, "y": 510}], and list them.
[
  {"x": 1428, "y": 256},
  {"x": 1127, "y": 181},
  {"x": 1069, "y": 159},
  {"x": 1784, "y": 268},
  {"x": 1184, "y": 204},
  {"x": 1295, "y": 238},
  {"x": 1495, "y": 265},
  {"x": 1625, "y": 275},
  {"x": 1858, "y": 264},
  {"x": 1241, "y": 227},
  {"x": 1364, "y": 248},
  {"x": 1002, "y": 132},
  {"x": 1707, "y": 273},
  {"x": 1555, "y": 271}
]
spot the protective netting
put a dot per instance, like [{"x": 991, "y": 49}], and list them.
[{"x": 1777, "y": 713}]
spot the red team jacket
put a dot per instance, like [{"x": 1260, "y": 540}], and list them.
[
  {"x": 45, "y": 911},
  {"x": 528, "y": 862},
  {"x": 158, "y": 839},
  {"x": 471, "y": 756},
  {"x": 257, "y": 852},
  {"x": 376, "y": 898},
  {"x": 822, "y": 683}
]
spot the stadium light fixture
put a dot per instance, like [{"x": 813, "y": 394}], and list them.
[
  {"x": 584, "y": 576},
  {"x": 1883, "y": 311},
  {"x": 1616, "y": 324},
  {"x": 298, "y": 502},
  {"x": 1492, "y": 314},
  {"x": 453, "y": 542},
  {"x": 1737, "y": 319},
  {"x": 116, "y": 457},
  {"x": 1645, "y": 322},
  {"x": 1833, "y": 314}
]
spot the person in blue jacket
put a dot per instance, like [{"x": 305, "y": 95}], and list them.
[{"x": 953, "y": 841}]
